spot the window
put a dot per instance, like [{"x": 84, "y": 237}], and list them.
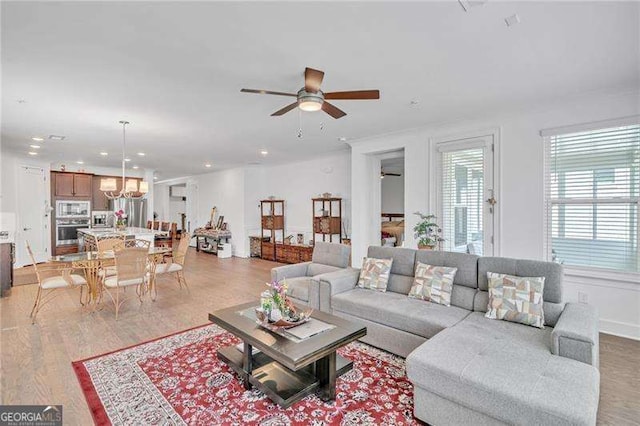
[{"x": 591, "y": 197}]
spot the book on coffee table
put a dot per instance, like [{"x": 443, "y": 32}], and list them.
[{"x": 309, "y": 329}]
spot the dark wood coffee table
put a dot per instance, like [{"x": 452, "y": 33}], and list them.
[{"x": 286, "y": 369}]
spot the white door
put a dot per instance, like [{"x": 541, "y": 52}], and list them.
[
  {"x": 466, "y": 202},
  {"x": 33, "y": 215}
]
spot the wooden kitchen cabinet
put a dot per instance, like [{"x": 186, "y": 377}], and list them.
[
  {"x": 63, "y": 184},
  {"x": 72, "y": 185}
]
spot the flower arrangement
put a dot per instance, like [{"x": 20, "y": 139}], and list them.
[
  {"x": 427, "y": 231},
  {"x": 121, "y": 219},
  {"x": 274, "y": 301}
]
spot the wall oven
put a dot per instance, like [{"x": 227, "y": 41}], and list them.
[
  {"x": 67, "y": 230},
  {"x": 69, "y": 209}
]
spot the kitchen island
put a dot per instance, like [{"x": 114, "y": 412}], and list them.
[{"x": 128, "y": 233}]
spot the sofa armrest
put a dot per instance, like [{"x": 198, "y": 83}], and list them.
[
  {"x": 336, "y": 282},
  {"x": 290, "y": 271},
  {"x": 575, "y": 335}
]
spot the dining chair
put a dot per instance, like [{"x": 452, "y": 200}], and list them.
[
  {"x": 131, "y": 270},
  {"x": 109, "y": 243},
  {"x": 175, "y": 265},
  {"x": 90, "y": 242},
  {"x": 52, "y": 277}
]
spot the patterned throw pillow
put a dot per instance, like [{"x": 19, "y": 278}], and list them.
[
  {"x": 516, "y": 299},
  {"x": 374, "y": 274},
  {"x": 433, "y": 283}
]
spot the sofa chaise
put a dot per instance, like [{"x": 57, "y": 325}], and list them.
[{"x": 468, "y": 369}]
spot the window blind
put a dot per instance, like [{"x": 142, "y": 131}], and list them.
[
  {"x": 591, "y": 197},
  {"x": 462, "y": 199}
]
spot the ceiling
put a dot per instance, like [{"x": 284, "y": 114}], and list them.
[{"x": 175, "y": 70}]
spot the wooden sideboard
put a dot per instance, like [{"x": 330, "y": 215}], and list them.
[{"x": 293, "y": 253}]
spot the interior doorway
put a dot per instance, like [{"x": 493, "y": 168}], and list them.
[
  {"x": 178, "y": 206},
  {"x": 392, "y": 200}
]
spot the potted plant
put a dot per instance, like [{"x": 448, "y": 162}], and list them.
[
  {"x": 427, "y": 231},
  {"x": 121, "y": 220}
]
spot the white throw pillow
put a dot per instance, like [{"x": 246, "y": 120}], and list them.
[
  {"x": 374, "y": 274},
  {"x": 433, "y": 283},
  {"x": 516, "y": 299}
]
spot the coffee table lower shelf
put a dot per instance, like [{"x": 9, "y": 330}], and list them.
[{"x": 280, "y": 384}]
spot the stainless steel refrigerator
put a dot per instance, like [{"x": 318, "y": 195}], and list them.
[{"x": 134, "y": 208}]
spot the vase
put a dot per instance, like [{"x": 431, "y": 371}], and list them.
[
  {"x": 425, "y": 247},
  {"x": 121, "y": 227}
]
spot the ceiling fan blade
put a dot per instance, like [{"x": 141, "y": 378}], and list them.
[
  {"x": 285, "y": 109},
  {"x": 332, "y": 110},
  {"x": 312, "y": 79},
  {"x": 354, "y": 94},
  {"x": 267, "y": 92}
]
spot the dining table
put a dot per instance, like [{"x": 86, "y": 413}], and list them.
[{"x": 92, "y": 262}]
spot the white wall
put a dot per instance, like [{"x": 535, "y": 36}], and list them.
[
  {"x": 520, "y": 196},
  {"x": 392, "y": 194},
  {"x": 297, "y": 183}
]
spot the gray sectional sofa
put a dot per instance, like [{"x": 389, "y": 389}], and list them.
[{"x": 467, "y": 369}]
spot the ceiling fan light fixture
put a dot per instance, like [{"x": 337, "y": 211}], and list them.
[{"x": 310, "y": 105}]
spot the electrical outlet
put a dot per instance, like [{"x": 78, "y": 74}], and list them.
[{"x": 582, "y": 297}]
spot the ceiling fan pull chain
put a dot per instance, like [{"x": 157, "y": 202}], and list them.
[{"x": 300, "y": 123}]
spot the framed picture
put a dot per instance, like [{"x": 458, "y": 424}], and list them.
[{"x": 220, "y": 222}]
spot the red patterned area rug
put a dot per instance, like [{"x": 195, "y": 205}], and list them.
[{"x": 178, "y": 380}]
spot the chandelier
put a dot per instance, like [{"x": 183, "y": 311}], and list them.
[{"x": 130, "y": 187}]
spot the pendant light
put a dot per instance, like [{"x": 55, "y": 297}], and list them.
[{"x": 130, "y": 187}]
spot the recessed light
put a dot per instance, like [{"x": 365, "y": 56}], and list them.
[
  {"x": 512, "y": 20},
  {"x": 342, "y": 139},
  {"x": 141, "y": 154},
  {"x": 37, "y": 139},
  {"x": 127, "y": 159},
  {"x": 155, "y": 178},
  {"x": 264, "y": 152},
  {"x": 33, "y": 153},
  {"x": 135, "y": 167},
  {"x": 207, "y": 165},
  {"x": 57, "y": 137},
  {"x": 104, "y": 154},
  {"x": 79, "y": 162},
  {"x": 35, "y": 146}
]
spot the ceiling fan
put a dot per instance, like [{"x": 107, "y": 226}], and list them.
[
  {"x": 311, "y": 98},
  {"x": 383, "y": 174}
]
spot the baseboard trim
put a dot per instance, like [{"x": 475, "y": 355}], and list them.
[{"x": 620, "y": 329}]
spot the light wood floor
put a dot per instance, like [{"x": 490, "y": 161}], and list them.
[{"x": 35, "y": 360}]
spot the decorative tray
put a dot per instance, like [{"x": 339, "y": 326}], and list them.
[{"x": 281, "y": 323}]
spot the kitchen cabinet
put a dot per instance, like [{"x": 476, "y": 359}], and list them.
[
  {"x": 72, "y": 185},
  {"x": 100, "y": 201}
]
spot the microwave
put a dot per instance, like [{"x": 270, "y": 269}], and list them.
[{"x": 71, "y": 209}]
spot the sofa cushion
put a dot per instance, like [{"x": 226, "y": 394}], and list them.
[
  {"x": 506, "y": 371},
  {"x": 331, "y": 254},
  {"x": 433, "y": 284},
  {"x": 396, "y": 310},
  {"x": 467, "y": 265},
  {"x": 403, "y": 259},
  {"x": 374, "y": 274},
  {"x": 298, "y": 288},
  {"x": 318, "y": 268},
  {"x": 552, "y": 272}
]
